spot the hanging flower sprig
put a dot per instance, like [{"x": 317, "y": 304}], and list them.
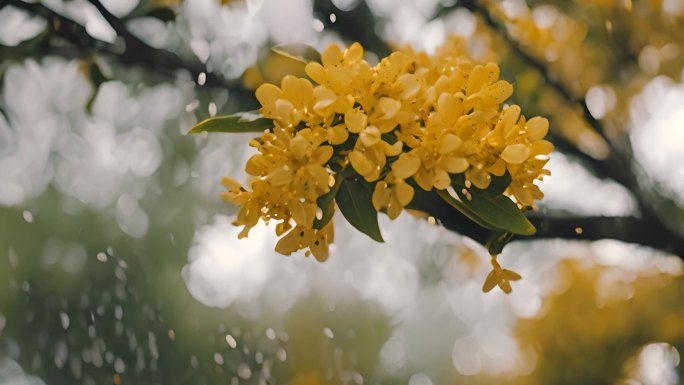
[{"x": 378, "y": 138}]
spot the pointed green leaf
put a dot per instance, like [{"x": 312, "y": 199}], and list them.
[
  {"x": 301, "y": 52},
  {"x": 241, "y": 122},
  {"x": 497, "y": 212},
  {"x": 455, "y": 201},
  {"x": 355, "y": 202},
  {"x": 327, "y": 203}
]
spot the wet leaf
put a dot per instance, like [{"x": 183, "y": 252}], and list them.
[
  {"x": 355, "y": 202},
  {"x": 241, "y": 122},
  {"x": 301, "y": 52}
]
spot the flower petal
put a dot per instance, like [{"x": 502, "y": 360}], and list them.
[
  {"x": 406, "y": 165},
  {"x": 515, "y": 153}
]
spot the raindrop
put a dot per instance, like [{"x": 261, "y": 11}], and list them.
[
  {"x": 333, "y": 18},
  {"x": 12, "y": 257},
  {"x": 202, "y": 78},
  {"x": 64, "y": 318},
  {"x": 231, "y": 341},
  {"x": 61, "y": 353},
  {"x": 317, "y": 25},
  {"x": 282, "y": 354},
  {"x": 218, "y": 358},
  {"x": 270, "y": 334},
  {"x": 119, "y": 365},
  {"x": 192, "y": 105},
  {"x": 28, "y": 216},
  {"x": 328, "y": 333},
  {"x": 102, "y": 257},
  {"x": 212, "y": 109},
  {"x": 244, "y": 372}
]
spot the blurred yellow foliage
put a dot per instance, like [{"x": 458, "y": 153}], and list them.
[{"x": 589, "y": 328}]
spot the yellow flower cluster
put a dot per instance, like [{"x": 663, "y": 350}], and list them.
[
  {"x": 410, "y": 117},
  {"x": 551, "y": 36}
]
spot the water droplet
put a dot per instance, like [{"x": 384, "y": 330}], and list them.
[
  {"x": 231, "y": 341},
  {"x": 244, "y": 372},
  {"x": 64, "y": 318},
  {"x": 281, "y": 354},
  {"x": 119, "y": 365},
  {"x": 317, "y": 25},
  {"x": 28, "y": 216}
]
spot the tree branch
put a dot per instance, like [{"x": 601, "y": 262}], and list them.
[
  {"x": 477, "y": 8},
  {"x": 641, "y": 231},
  {"x": 134, "y": 52},
  {"x": 630, "y": 229}
]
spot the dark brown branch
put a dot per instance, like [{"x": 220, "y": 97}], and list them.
[
  {"x": 626, "y": 229},
  {"x": 133, "y": 51},
  {"x": 631, "y": 229}
]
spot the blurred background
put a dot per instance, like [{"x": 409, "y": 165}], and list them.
[{"x": 118, "y": 262}]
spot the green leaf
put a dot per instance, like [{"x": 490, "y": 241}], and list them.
[
  {"x": 301, "y": 52},
  {"x": 456, "y": 203},
  {"x": 497, "y": 241},
  {"x": 355, "y": 202},
  {"x": 327, "y": 203},
  {"x": 489, "y": 208},
  {"x": 497, "y": 212},
  {"x": 241, "y": 122},
  {"x": 498, "y": 185}
]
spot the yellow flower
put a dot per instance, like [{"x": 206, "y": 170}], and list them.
[
  {"x": 370, "y": 152},
  {"x": 499, "y": 277},
  {"x": 392, "y": 194},
  {"x": 286, "y": 105},
  {"x": 300, "y": 237}
]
